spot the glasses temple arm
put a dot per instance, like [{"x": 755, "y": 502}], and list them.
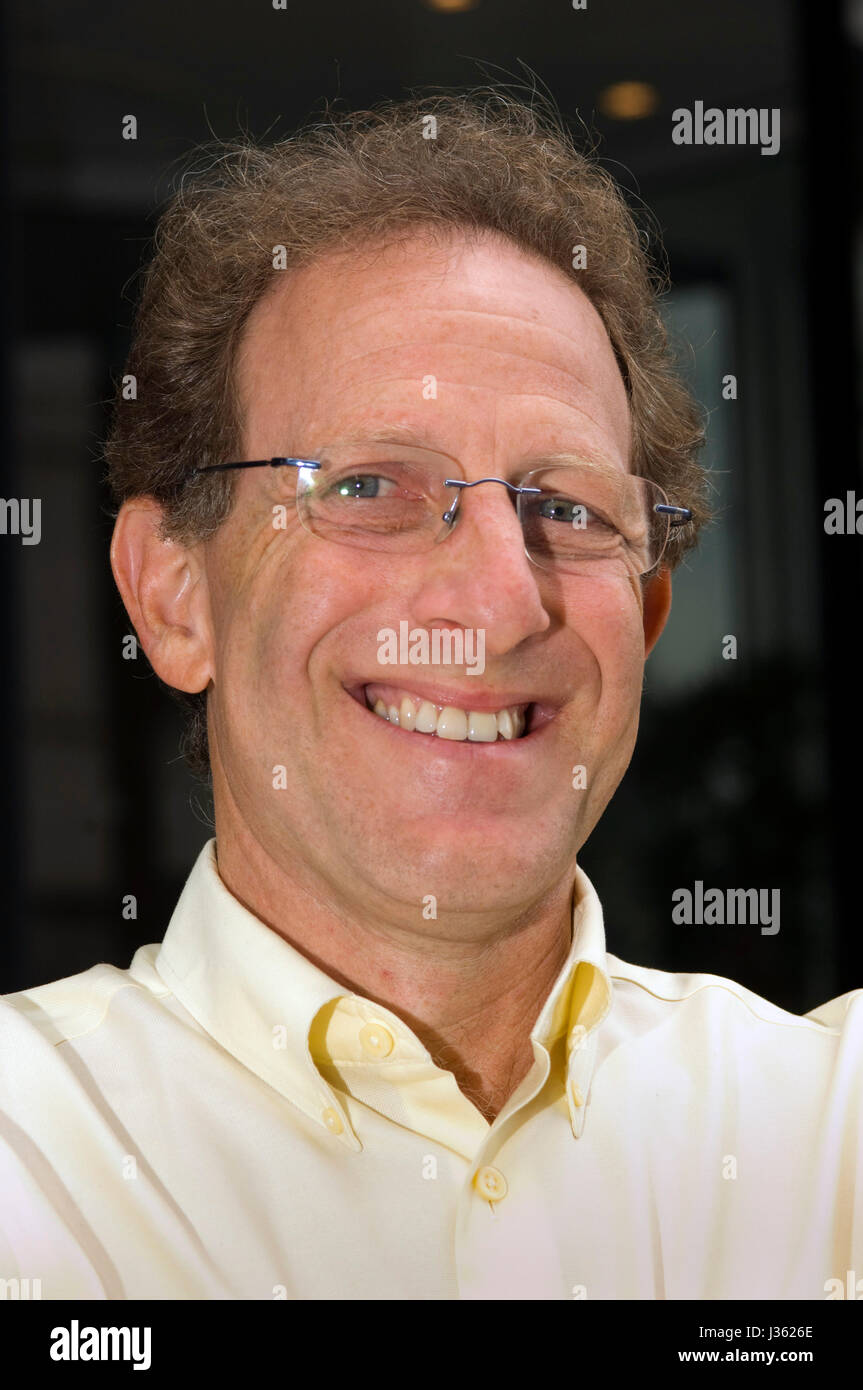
[
  {"x": 260, "y": 463},
  {"x": 678, "y": 516}
]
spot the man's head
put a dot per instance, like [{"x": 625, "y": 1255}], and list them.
[{"x": 408, "y": 260}]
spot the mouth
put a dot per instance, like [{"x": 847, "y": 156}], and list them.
[{"x": 455, "y": 716}]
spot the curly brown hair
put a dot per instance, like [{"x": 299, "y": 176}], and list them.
[{"x": 493, "y": 163}]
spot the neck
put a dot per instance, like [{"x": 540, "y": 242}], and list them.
[{"x": 471, "y": 992}]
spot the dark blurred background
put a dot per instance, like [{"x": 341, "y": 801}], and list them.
[{"x": 748, "y": 771}]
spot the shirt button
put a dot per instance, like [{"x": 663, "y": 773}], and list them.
[
  {"x": 333, "y": 1120},
  {"x": 577, "y": 1097},
  {"x": 376, "y": 1040},
  {"x": 490, "y": 1183}
]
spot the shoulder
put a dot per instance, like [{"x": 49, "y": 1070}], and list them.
[
  {"x": 42, "y": 1028},
  {"x": 664, "y": 996},
  {"x": 59, "y": 1145},
  {"x": 75, "y": 1006},
  {"x": 708, "y": 1045}
]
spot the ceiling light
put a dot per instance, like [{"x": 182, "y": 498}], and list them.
[
  {"x": 628, "y": 101},
  {"x": 450, "y": 6}
]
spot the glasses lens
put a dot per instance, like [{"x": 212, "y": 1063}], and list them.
[
  {"x": 593, "y": 520},
  {"x": 378, "y": 497}
]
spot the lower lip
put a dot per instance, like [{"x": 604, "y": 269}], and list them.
[{"x": 509, "y": 751}]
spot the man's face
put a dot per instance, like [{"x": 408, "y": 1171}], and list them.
[{"x": 523, "y": 368}]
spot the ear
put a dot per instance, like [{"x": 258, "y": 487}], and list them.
[
  {"x": 164, "y": 587},
  {"x": 656, "y": 600}
]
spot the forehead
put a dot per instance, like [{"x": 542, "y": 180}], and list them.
[{"x": 355, "y": 336}]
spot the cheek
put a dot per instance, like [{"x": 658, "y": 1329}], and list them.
[
  {"x": 299, "y": 618},
  {"x": 609, "y": 620}
]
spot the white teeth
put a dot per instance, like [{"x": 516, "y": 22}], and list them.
[
  {"x": 506, "y": 724},
  {"x": 450, "y": 722},
  {"x": 482, "y": 728},
  {"x": 426, "y": 717}
]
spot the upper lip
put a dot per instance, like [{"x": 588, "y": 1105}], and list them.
[{"x": 479, "y": 698}]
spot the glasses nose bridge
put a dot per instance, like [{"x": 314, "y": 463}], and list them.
[
  {"x": 462, "y": 483},
  {"x": 450, "y": 515}
]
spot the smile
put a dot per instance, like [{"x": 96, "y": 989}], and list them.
[{"x": 445, "y": 719}]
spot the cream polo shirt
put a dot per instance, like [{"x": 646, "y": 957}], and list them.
[{"x": 222, "y": 1121}]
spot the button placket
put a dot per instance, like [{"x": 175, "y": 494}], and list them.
[
  {"x": 332, "y": 1119},
  {"x": 582, "y": 1050}
]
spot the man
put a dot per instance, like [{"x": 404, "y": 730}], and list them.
[{"x": 382, "y": 1051}]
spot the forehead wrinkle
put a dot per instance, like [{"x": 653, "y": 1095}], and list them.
[
  {"x": 548, "y": 366},
  {"x": 406, "y": 432},
  {"x": 532, "y": 326},
  {"x": 506, "y": 316},
  {"x": 497, "y": 392}
]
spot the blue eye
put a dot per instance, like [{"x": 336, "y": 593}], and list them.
[
  {"x": 361, "y": 485},
  {"x": 569, "y": 512},
  {"x": 399, "y": 484}
]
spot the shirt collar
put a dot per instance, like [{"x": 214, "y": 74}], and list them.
[{"x": 259, "y": 997}]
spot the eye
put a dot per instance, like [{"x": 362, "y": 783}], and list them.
[
  {"x": 389, "y": 480},
  {"x": 363, "y": 485},
  {"x": 569, "y": 512}
]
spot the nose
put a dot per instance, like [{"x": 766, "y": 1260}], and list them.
[{"x": 479, "y": 575}]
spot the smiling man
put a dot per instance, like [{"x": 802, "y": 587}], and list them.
[{"x": 382, "y": 1051}]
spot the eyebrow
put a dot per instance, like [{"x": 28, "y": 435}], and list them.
[
  {"x": 391, "y": 434},
  {"x": 587, "y": 457}
]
